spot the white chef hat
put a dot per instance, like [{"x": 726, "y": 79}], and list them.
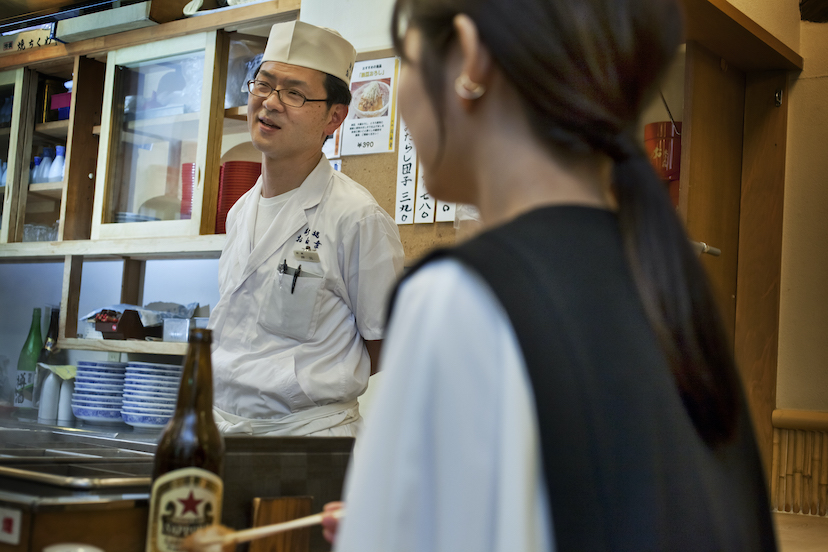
[{"x": 306, "y": 45}]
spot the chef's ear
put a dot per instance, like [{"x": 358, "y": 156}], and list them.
[
  {"x": 336, "y": 116},
  {"x": 476, "y": 63}
]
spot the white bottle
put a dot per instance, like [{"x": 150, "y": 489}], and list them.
[
  {"x": 45, "y": 165},
  {"x": 58, "y": 165},
  {"x": 34, "y": 172}
]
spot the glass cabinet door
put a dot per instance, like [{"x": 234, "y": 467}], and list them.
[
  {"x": 11, "y": 86},
  {"x": 153, "y": 149}
]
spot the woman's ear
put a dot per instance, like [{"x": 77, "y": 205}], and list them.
[{"x": 476, "y": 62}]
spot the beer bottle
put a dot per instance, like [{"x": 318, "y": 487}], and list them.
[{"x": 187, "y": 488}]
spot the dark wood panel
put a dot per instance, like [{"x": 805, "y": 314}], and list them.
[
  {"x": 87, "y": 101},
  {"x": 711, "y": 167},
  {"x": 760, "y": 247}
]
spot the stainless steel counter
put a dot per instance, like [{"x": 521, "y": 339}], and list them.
[{"x": 65, "y": 480}]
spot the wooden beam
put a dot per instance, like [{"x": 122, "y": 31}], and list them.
[
  {"x": 70, "y": 297},
  {"x": 258, "y": 14},
  {"x": 132, "y": 282},
  {"x": 731, "y": 34}
]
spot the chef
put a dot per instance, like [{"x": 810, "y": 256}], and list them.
[{"x": 309, "y": 258}]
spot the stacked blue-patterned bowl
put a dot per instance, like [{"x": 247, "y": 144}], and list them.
[
  {"x": 150, "y": 392},
  {"x": 98, "y": 394}
]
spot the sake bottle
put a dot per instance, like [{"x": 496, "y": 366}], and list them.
[
  {"x": 26, "y": 368},
  {"x": 187, "y": 488}
]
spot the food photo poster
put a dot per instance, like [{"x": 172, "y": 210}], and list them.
[{"x": 369, "y": 127}]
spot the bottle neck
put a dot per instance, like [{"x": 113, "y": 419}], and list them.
[
  {"x": 34, "y": 329},
  {"x": 196, "y": 390}
]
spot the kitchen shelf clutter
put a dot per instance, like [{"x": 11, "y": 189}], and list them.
[{"x": 139, "y": 119}]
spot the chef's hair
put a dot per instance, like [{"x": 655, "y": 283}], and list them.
[{"x": 584, "y": 69}]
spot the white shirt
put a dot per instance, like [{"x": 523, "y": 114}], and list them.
[
  {"x": 450, "y": 458},
  {"x": 268, "y": 208},
  {"x": 281, "y": 348}
]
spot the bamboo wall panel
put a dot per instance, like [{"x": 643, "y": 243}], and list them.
[{"x": 799, "y": 476}]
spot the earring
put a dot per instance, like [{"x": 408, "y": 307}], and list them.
[{"x": 467, "y": 89}]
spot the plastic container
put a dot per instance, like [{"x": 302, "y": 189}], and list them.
[{"x": 176, "y": 329}]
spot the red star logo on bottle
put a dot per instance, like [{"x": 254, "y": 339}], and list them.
[{"x": 190, "y": 504}]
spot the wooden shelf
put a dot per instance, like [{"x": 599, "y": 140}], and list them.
[
  {"x": 50, "y": 190},
  {"x": 54, "y": 129},
  {"x": 237, "y": 113},
  {"x": 125, "y": 346},
  {"x": 187, "y": 247}
]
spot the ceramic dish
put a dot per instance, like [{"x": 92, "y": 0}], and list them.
[
  {"x": 143, "y": 420},
  {"x": 154, "y": 411},
  {"x": 96, "y": 392},
  {"x": 96, "y": 414},
  {"x": 102, "y": 378},
  {"x": 147, "y": 372},
  {"x": 152, "y": 387},
  {"x": 150, "y": 402},
  {"x": 152, "y": 365},
  {"x": 87, "y": 397},
  {"x": 94, "y": 404},
  {"x": 93, "y": 387},
  {"x": 143, "y": 378},
  {"x": 149, "y": 394},
  {"x": 103, "y": 364},
  {"x": 101, "y": 370}
]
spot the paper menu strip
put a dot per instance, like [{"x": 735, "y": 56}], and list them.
[
  {"x": 406, "y": 177},
  {"x": 424, "y": 206},
  {"x": 445, "y": 211}
]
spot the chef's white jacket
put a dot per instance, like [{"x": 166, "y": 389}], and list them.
[{"x": 280, "y": 347}]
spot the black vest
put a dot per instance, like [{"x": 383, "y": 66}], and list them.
[{"x": 624, "y": 466}]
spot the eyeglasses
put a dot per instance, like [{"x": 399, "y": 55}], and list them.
[{"x": 287, "y": 96}]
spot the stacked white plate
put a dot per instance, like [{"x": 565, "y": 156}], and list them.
[
  {"x": 98, "y": 394},
  {"x": 150, "y": 392}
]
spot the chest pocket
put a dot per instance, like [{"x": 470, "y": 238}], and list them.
[{"x": 293, "y": 315}]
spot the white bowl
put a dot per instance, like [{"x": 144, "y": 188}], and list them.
[
  {"x": 138, "y": 378},
  {"x": 103, "y": 364},
  {"x": 148, "y": 411},
  {"x": 149, "y": 372},
  {"x": 97, "y": 414},
  {"x": 144, "y": 420},
  {"x": 96, "y": 398},
  {"x": 152, "y": 365},
  {"x": 132, "y": 393},
  {"x": 84, "y": 387}
]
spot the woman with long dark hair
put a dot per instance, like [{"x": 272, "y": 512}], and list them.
[{"x": 562, "y": 381}]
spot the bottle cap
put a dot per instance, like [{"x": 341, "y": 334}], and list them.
[{"x": 61, "y": 150}]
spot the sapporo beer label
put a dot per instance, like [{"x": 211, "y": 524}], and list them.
[{"x": 182, "y": 502}]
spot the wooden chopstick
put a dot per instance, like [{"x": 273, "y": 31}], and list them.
[{"x": 247, "y": 535}]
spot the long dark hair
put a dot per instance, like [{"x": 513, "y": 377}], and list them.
[{"x": 584, "y": 69}]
